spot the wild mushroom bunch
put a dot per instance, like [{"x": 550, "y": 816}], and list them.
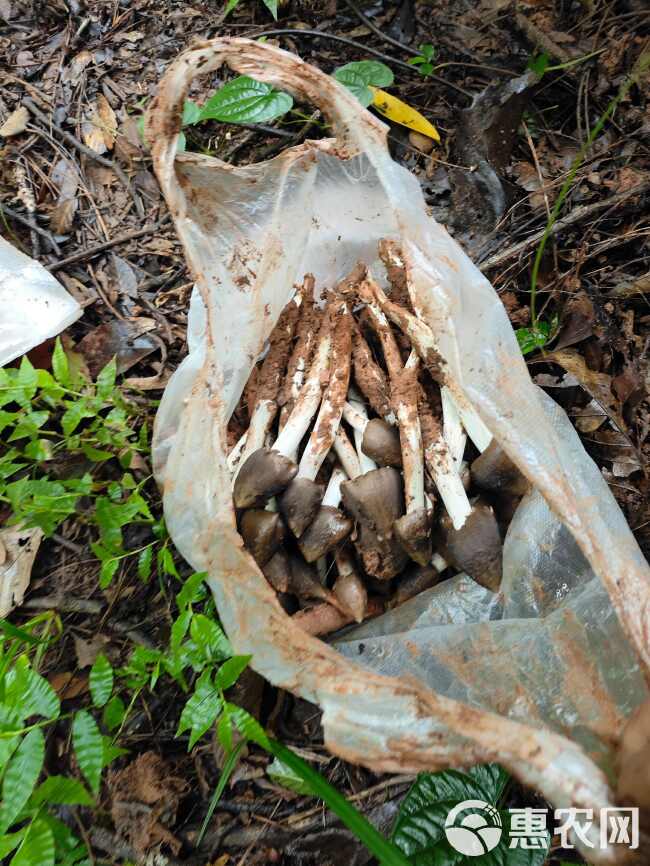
[{"x": 361, "y": 477}]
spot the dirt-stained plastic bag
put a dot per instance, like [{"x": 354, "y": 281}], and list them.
[{"x": 540, "y": 677}]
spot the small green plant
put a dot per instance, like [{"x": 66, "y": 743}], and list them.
[
  {"x": 360, "y": 77},
  {"x": 66, "y": 450},
  {"x": 530, "y": 339},
  {"x": 271, "y": 5},
  {"x": 424, "y": 60},
  {"x": 29, "y": 707}
]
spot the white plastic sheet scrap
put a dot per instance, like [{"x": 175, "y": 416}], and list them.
[{"x": 34, "y": 305}]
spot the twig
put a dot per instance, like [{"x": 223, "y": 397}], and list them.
[
  {"x": 98, "y": 248},
  {"x": 577, "y": 215},
  {"x": 87, "y": 151},
  {"x": 70, "y": 605},
  {"x": 539, "y": 38},
  {"x": 365, "y": 49},
  {"x": 12, "y": 214},
  {"x": 394, "y": 782},
  {"x": 373, "y": 27}
]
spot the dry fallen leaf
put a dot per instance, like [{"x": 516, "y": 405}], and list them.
[
  {"x": 598, "y": 385},
  {"x": 108, "y": 121},
  {"x": 88, "y": 650},
  {"x": 15, "y": 123},
  {"x": 66, "y": 178},
  {"x": 92, "y": 132},
  {"x": 20, "y": 546},
  {"x": 68, "y": 685}
]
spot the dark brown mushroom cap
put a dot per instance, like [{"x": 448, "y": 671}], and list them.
[
  {"x": 299, "y": 504},
  {"x": 265, "y": 473},
  {"x": 413, "y": 531},
  {"x": 352, "y": 594},
  {"x": 416, "y": 580},
  {"x": 476, "y": 547},
  {"x": 376, "y": 501},
  {"x": 493, "y": 470},
  {"x": 276, "y": 571},
  {"x": 329, "y": 528},
  {"x": 381, "y": 443},
  {"x": 263, "y": 533}
]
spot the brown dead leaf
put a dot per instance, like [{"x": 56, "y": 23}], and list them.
[
  {"x": 144, "y": 800},
  {"x": 578, "y": 320},
  {"x": 15, "y": 123},
  {"x": 527, "y": 177},
  {"x": 108, "y": 120},
  {"x": 626, "y": 179},
  {"x": 88, "y": 650},
  {"x": 66, "y": 178},
  {"x": 126, "y": 339},
  {"x": 92, "y": 132},
  {"x": 68, "y": 685},
  {"x": 597, "y": 385},
  {"x": 20, "y": 547},
  {"x": 129, "y": 146},
  {"x": 73, "y": 71}
]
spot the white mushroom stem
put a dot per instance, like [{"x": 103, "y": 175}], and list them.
[
  {"x": 346, "y": 453},
  {"x": 452, "y": 428},
  {"x": 422, "y": 338},
  {"x": 234, "y": 457},
  {"x": 448, "y": 481},
  {"x": 332, "y": 495},
  {"x": 366, "y": 463},
  {"x": 438, "y": 562},
  {"x": 305, "y": 337},
  {"x": 261, "y": 420},
  {"x": 410, "y": 434},
  {"x": 329, "y": 415},
  {"x": 308, "y": 400}
]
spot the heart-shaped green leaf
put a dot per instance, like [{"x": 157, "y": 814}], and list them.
[{"x": 245, "y": 100}]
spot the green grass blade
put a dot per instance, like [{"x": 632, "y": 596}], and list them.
[
  {"x": 387, "y": 853},
  {"x": 226, "y": 773}
]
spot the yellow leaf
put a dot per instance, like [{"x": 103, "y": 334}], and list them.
[{"x": 399, "y": 112}]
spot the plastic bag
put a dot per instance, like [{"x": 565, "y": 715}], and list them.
[
  {"x": 541, "y": 677},
  {"x": 34, "y": 305}
]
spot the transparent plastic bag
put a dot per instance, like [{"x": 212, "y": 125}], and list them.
[{"x": 541, "y": 677}]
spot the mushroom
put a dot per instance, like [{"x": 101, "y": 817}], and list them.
[
  {"x": 349, "y": 588},
  {"x": 476, "y": 547},
  {"x": 493, "y": 470},
  {"x": 304, "y": 583},
  {"x": 299, "y": 502},
  {"x": 276, "y": 571},
  {"x": 307, "y": 329},
  {"x": 416, "y": 580},
  {"x": 268, "y": 383},
  {"x": 370, "y": 378},
  {"x": 330, "y": 526},
  {"x": 263, "y": 533},
  {"x": 268, "y": 471},
  {"x": 413, "y": 528},
  {"x": 379, "y": 440},
  {"x": 376, "y": 501}
]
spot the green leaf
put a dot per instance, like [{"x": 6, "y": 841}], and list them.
[
  {"x": 39, "y": 450},
  {"x": 193, "y": 590},
  {"x": 210, "y": 639},
  {"x": 386, "y": 852},
  {"x": 359, "y": 77},
  {"x": 30, "y": 694},
  {"x": 10, "y": 841},
  {"x": 229, "y": 765},
  {"x": 28, "y": 425},
  {"x": 101, "y": 680},
  {"x": 110, "y": 752},
  {"x": 248, "y": 726},
  {"x": 63, "y": 791},
  {"x": 107, "y": 572},
  {"x": 420, "y": 827},
  {"x": 144, "y": 563},
  {"x": 224, "y": 730},
  {"x": 37, "y": 848},
  {"x": 88, "y": 747},
  {"x": 539, "y": 63},
  {"x": 287, "y": 778},
  {"x": 230, "y": 671},
  {"x": 272, "y": 6},
  {"x": 191, "y": 113},
  {"x": 60, "y": 366},
  {"x": 114, "y": 712},
  {"x": 244, "y": 100},
  {"x": 530, "y": 339},
  {"x": 18, "y": 633},
  {"x": 492, "y": 778},
  {"x": 201, "y": 710},
  {"x": 74, "y": 415},
  {"x": 165, "y": 562},
  {"x": 21, "y": 776}
]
